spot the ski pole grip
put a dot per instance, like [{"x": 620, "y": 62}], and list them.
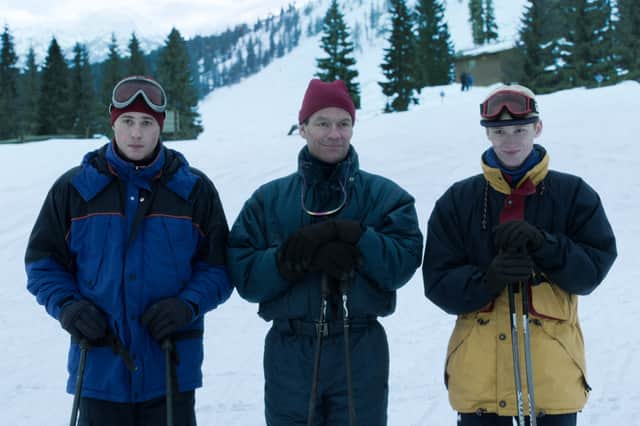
[
  {"x": 324, "y": 284},
  {"x": 167, "y": 344},
  {"x": 344, "y": 285}
]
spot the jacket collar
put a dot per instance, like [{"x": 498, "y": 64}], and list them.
[
  {"x": 96, "y": 172},
  {"x": 536, "y": 174},
  {"x": 314, "y": 171},
  {"x": 140, "y": 176}
]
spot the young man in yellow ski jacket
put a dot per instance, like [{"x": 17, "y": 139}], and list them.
[{"x": 517, "y": 222}]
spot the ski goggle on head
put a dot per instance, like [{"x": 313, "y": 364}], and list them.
[
  {"x": 128, "y": 89},
  {"x": 517, "y": 104}
]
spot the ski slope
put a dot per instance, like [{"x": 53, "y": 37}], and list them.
[{"x": 592, "y": 133}]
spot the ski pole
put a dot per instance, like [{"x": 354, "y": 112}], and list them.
[
  {"x": 527, "y": 356},
  {"x": 344, "y": 284},
  {"x": 84, "y": 348},
  {"x": 516, "y": 352},
  {"x": 167, "y": 345},
  {"x": 321, "y": 331}
]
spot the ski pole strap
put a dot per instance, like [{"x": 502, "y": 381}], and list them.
[
  {"x": 344, "y": 287},
  {"x": 116, "y": 346},
  {"x": 119, "y": 349}
]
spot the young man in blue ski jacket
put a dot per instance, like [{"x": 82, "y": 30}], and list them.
[
  {"x": 328, "y": 232},
  {"x": 129, "y": 253},
  {"x": 518, "y": 229}
]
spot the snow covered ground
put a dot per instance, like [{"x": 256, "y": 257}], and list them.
[{"x": 592, "y": 133}]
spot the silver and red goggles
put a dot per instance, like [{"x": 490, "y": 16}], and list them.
[
  {"x": 128, "y": 89},
  {"x": 517, "y": 104}
]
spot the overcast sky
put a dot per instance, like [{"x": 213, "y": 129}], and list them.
[{"x": 190, "y": 17}]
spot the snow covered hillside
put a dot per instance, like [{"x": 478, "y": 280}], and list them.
[{"x": 592, "y": 133}]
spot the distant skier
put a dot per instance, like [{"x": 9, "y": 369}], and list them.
[
  {"x": 518, "y": 226},
  {"x": 330, "y": 219},
  {"x": 464, "y": 81},
  {"x": 128, "y": 253}
]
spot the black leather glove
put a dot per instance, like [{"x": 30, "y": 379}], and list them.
[
  {"x": 337, "y": 259},
  {"x": 516, "y": 235},
  {"x": 166, "y": 317},
  {"x": 83, "y": 320},
  {"x": 507, "y": 268},
  {"x": 296, "y": 253}
]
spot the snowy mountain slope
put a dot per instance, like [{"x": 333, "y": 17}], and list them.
[
  {"x": 94, "y": 25},
  {"x": 34, "y": 22}
]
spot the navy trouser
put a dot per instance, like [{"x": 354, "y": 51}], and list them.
[
  {"x": 494, "y": 420},
  {"x": 96, "y": 412},
  {"x": 288, "y": 367}
]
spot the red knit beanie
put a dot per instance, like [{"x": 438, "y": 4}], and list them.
[
  {"x": 320, "y": 95},
  {"x": 138, "y": 105}
]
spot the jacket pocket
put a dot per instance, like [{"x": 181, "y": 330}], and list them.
[
  {"x": 182, "y": 245},
  {"x": 470, "y": 369},
  {"x": 551, "y": 302},
  {"x": 559, "y": 365},
  {"x": 91, "y": 243},
  {"x": 462, "y": 330},
  {"x": 569, "y": 337}
]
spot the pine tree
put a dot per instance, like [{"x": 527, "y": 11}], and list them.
[
  {"x": 490, "y": 28},
  {"x": 175, "y": 76},
  {"x": 628, "y": 37},
  {"x": 398, "y": 65},
  {"x": 252, "y": 64},
  {"x": 339, "y": 63},
  {"x": 137, "y": 65},
  {"x": 53, "y": 105},
  {"x": 9, "y": 113},
  {"x": 541, "y": 47},
  {"x": 602, "y": 65},
  {"x": 111, "y": 71},
  {"x": 296, "y": 29},
  {"x": 590, "y": 41},
  {"x": 82, "y": 93},
  {"x": 236, "y": 71},
  {"x": 483, "y": 21},
  {"x": 28, "y": 95},
  {"x": 434, "y": 49},
  {"x": 271, "y": 51},
  {"x": 477, "y": 23}
]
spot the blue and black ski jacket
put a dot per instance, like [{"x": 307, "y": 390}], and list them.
[{"x": 124, "y": 237}]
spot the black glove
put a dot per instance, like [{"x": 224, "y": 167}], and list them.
[
  {"x": 167, "y": 316},
  {"x": 83, "y": 320},
  {"x": 516, "y": 235},
  {"x": 348, "y": 231},
  {"x": 507, "y": 268},
  {"x": 296, "y": 253},
  {"x": 337, "y": 259}
]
